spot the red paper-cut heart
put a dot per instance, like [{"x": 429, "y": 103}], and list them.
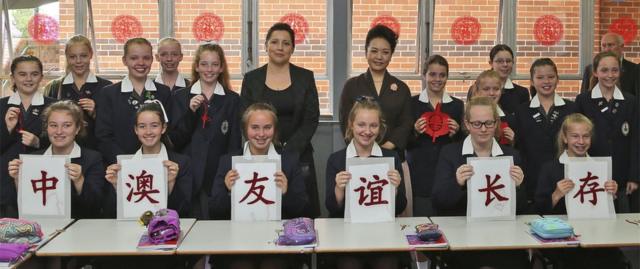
[{"x": 437, "y": 123}]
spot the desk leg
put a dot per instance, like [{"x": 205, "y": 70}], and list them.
[{"x": 314, "y": 260}]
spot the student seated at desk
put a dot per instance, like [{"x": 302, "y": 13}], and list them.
[
  {"x": 365, "y": 127},
  {"x": 63, "y": 121},
  {"x": 150, "y": 128},
  {"x": 574, "y": 140},
  {"x": 452, "y": 173},
  {"x": 259, "y": 126}
]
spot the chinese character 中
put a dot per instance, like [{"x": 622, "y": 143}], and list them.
[
  {"x": 375, "y": 191},
  {"x": 593, "y": 188},
  {"x": 144, "y": 187},
  {"x": 45, "y": 186},
  {"x": 256, "y": 190},
  {"x": 493, "y": 189}
]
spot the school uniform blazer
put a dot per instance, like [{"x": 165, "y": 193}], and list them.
[
  {"x": 536, "y": 138},
  {"x": 551, "y": 172},
  {"x": 86, "y": 205},
  {"x": 337, "y": 162},
  {"x": 629, "y": 79},
  {"x": 422, "y": 153},
  {"x": 449, "y": 198},
  {"x": 115, "y": 120},
  {"x": 221, "y": 135},
  {"x": 293, "y": 202},
  {"x": 615, "y": 134},
  {"x": 394, "y": 100},
  {"x": 57, "y": 90},
  {"x": 11, "y": 144},
  {"x": 307, "y": 109}
]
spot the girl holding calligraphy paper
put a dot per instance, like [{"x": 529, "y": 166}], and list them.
[
  {"x": 21, "y": 126},
  {"x": 207, "y": 121},
  {"x": 150, "y": 128},
  {"x": 365, "y": 129},
  {"x": 64, "y": 122},
  {"x": 489, "y": 84},
  {"x": 430, "y": 131}
]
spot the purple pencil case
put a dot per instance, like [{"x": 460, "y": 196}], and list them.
[
  {"x": 298, "y": 231},
  {"x": 11, "y": 252},
  {"x": 164, "y": 226}
]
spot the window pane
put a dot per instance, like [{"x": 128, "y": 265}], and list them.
[
  {"x": 220, "y": 21},
  {"x": 622, "y": 17},
  {"x": 399, "y": 15}
]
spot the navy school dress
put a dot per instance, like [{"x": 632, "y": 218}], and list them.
[
  {"x": 536, "y": 136},
  {"x": 205, "y": 139},
  {"x": 11, "y": 144},
  {"x": 337, "y": 162},
  {"x": 615, "y": 133},
  {"x": 422, "y": 152},
  {"x": 293, "y": 202},
  {"x": 117, "y": 105},
  {"x": 65, "y": 89}
]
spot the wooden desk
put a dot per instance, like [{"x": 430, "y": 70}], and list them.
[
  {"x": 104, "y": 237},
  {"x": 228, "y": 237},
  {"x": 616, "y": 232}
]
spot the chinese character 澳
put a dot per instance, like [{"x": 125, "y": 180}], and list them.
[
  {"x": 492, "y": 189},
  {"x": 374, "y": 189},
  {"x": 144, "y": 187},
  {"x": 593, "y": 188},
  {"x": 256, "y": 190},
  {"x": 44, "y": 185}
]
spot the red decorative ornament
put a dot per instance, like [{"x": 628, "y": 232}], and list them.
[
  {"x": 389, "y": 21},
  {"x": 124, "y": 27},
  {"x": 437, "y": 123},
  {"x": 548, "y": 30},
  {"x": 207, "y": 27},
  {"x": 626, "y": 27},
  {"x": 43, "y": 29},
  {"x": 466, "y": 30},
  {"x": 503, "y": 139},
  {"x": 299, "y": 25}
]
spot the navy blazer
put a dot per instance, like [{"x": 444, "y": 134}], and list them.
[
  {"x": 629, "y": 79},
  {"x": 293, "y": 202},
  {"x": 337, "y": 162},
  {"x": 551, "y": 172},
  {"x": 115, "y": 120},
  {"x": 449, "y": 198},
  {"x": 307, "y": 108}
]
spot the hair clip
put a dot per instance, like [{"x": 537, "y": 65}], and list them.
[{"x": 164, "y": 112}]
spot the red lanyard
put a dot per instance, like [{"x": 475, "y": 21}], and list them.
[{"x": 205, "y": 111}]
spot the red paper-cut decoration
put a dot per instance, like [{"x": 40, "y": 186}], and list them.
[
  {"x": 124, "y": 27},
  {"x": 43, "y": 29},
  {"x": 466, "y": 30},
  {"x": 437, "y": 123},
  {"x": 207, "y": 27},
  {"x": 299, "y": 25},
  {"x": 626, "y": 27},
  {"x": 548, "y": 30},
  {"x": 389, "y": 21},
  {"x": 503, "y": 139}
]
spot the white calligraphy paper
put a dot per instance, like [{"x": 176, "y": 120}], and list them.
[
  {"x": 44, "y": 188},
  {"x": 491, "y": 193},
  {"x": 369, "y": 195},
  {"x": 588, "y": 199},
  {"x": 255, "y": 196},
  {"x": 142, "y": 186}
]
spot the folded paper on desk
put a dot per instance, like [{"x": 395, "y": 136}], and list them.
[
  {"x": 571, "y": 240},
  {"x": 427, "y": 235},
  {"x": 146, "y": 243}
]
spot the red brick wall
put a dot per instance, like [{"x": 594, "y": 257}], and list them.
[{"x": 608, "y": 12}]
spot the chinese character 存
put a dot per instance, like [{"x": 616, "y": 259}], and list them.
[
  {"x": 44, "y": 187},
  {"x": 143, "y": 189},
  {"x": 375, "y": 191},
  {"x": 593, "y": 189},
  {"x": 492, "y": 189},
  {"x": 256, "y": 190}
]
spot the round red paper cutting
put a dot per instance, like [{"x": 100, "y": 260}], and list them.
[
  {"x": 124, "y": 27},
  {"x": 626, "y": 27},
  {"x": 548, "y": 30},
  {"x": 466, "y": 30},
  {"x": 43, "y": 29},
  {"x": 208, "y": 27},
  {"x": 299, "y": 25},
  {"x": 388, "y": 21}
]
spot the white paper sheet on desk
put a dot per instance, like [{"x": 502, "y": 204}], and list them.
[
  {"x": 369, "y": 195},
  {"x": 491, "y": 193},
  {"x": 588, "y": 199},
  {"x": 264, "y": 201},
  {"x": 44, "y": 190},
  {"x": 142, "y": 186}
]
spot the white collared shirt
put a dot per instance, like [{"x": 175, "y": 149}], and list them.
[
  {"x": 75, "y": 152},
  {"x": 351, "y": 150},
  {"x": 91, "y": 78},
  {"x": 500, "y": 112},
  {"x": 180, "y": 82},
  {"x": 564, "y": 157},
  {"x": 557, "y": 101},
  {"x": 163, "y": 153},
  {"x": 196, "y": 88},
  {"x": 36, "y": 100},
  {"x": 424, "y": 97},
  {"x": 508, "y": 84},
  {"x": 467, "y": 147},
  {"x": 271, "y": 153},
  {"x": 596, "y": 93},
  {"x": 127, "y": 86}
]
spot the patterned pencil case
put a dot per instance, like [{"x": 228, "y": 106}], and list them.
[{"x": 19, "y": 231}]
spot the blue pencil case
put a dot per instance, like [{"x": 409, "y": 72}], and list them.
[{"x": 551, "y": 228}]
